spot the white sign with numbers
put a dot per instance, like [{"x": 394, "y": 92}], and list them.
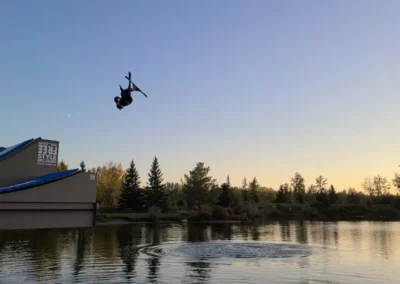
[{"x": 47, "y": 154}]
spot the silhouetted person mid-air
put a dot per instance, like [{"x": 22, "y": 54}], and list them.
[{"x": 126, "y": 95}]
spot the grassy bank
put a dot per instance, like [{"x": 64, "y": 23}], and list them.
[
  {"x": 272, "y": 211},
  {"x": 147, "y": 217},
  {"x": 334, "y": 212}
]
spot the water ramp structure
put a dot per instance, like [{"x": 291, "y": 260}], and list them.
[{"x": 33, "y": 194}]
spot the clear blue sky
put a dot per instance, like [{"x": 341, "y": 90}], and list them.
[{"x": 251, "y": 88}]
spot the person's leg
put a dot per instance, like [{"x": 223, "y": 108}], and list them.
[
  {"x": 129, "y": 78},
  {"x": 122, "y": 93},
  {"x": 123, "y": 101},
  {"x": 125, "y": 95},
  {"x": 129, "y": 98}
]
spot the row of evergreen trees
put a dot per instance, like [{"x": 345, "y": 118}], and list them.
[
  {"x": 138, "y": 198},
  {"x": 199, "y": 188}
]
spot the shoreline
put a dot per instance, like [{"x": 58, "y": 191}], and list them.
[
  {"x": 117, "y": 222},
  {"x": 271, "y": 213},
  {"x": 122, "y": 221}
]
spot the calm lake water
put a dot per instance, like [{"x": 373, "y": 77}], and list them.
[{"x": 289, "y": 252}]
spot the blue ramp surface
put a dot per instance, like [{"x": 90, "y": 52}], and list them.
[
  {"x": 39, "y": 181},
  {"x": 10, "y": 150}
]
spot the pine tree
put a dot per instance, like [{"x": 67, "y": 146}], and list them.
[
  {"x": 283, "y": 195},
  {"x": 245, "y": 192},
  {"x": 224, "y": 199},
  {"x": 332, "y": 195},
  {"x": 228, "y": 181},
  {"x": 198, "y": 185},
  {"x": 156, "y": 191},
  {"x": 244, "y": 183},
  {"x": 132, "y": 196},
  {"x": 253, "y": 190}
]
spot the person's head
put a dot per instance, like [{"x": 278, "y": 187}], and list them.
[{"x": 119, "y": 106}]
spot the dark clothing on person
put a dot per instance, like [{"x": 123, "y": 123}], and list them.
[{"x": 125, "y": 99}]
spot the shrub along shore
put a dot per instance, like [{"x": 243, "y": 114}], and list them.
[{"x": 279, "y": 211}]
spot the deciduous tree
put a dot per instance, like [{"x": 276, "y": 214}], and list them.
[
  {"x": 62, "y": 166},
  {"x": 82, "y": 166},
  {"x": 396, "y": 180},
  {"x": 109, "y": 178},
  {"x": 376, "y": 186},
  {"x": 299, "y": 188},
  {"x": 320, "y": 184}
]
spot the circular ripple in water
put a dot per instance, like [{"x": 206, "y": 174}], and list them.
[{"x": 230, "y": 250}]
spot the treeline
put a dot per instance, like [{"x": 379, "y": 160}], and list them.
[{"x": 123, "y": 191}]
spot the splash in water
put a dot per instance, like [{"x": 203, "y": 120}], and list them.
[{"x": 221, "y": 249}]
